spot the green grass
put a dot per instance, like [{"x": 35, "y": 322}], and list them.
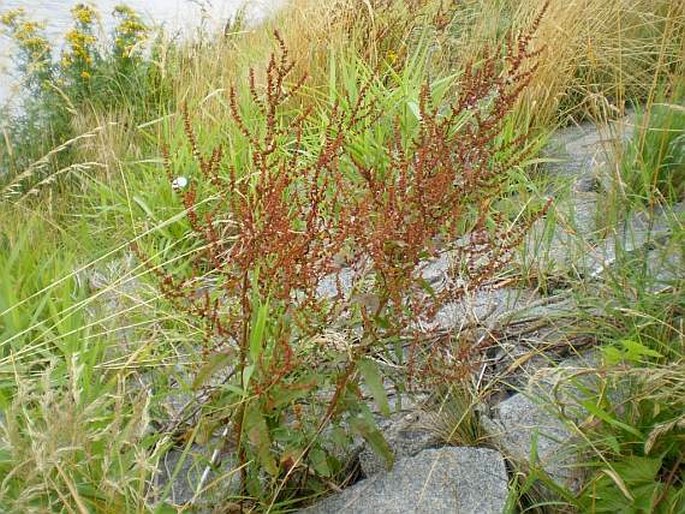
[{"x": 654, "y": 162}]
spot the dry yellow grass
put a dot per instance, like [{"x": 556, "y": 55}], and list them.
[
  {"x": 596, "y": 54},
  {"x": 599, "y": 54}
]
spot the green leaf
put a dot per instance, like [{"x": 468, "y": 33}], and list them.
[
  {"x": 332, "y": 79},
  {"x": 533, "y": 458},
  {"x": 216, "y": 362},
  {"x": 636, "y": 469},
  {"x": 340, "y": 437},
  {"x": 620, "y": 483},
  {"x": 605, "y": 416},
  {"x": 165, "y": 508},
  {"x": 374, "y": 381},
  {"x": 414, "y": 108},
  {"x": 635, "y": 351},
  {"x": 141, "y": 203},
  {"x": 234, "y": 389},
  {"x": 425, "y": 285},
  {"x": 613, "y": 443},
  {"x": 247, "y": 375},
  {"x": 369, "y": 431},
  {"x": 4, "y": 400},
  {"x": 612, "y": 355},
  {"x": 5, "y": 457},
  {"x": 258, "y": 434},
  {"x": 284, "y": 395},
  {"x": 319, "y": 462},
  {"x": 258, "y": 329}
]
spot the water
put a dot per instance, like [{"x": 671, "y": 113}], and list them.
[{"x": 175, "y": 15}]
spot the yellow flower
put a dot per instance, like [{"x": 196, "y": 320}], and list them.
[
  {"x": 10, "y": 18},
  {"x": 83, "y": 14},
  {"x": 85, "y": 75},
  {"x": 129, "y": 32}
]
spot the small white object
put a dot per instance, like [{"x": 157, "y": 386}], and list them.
[{"x": 179, "y": 183}]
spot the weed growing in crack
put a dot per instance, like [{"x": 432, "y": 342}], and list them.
[{"x": 296, "y": 203}]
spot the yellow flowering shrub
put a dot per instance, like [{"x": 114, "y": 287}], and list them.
[
  {"x": 34, "y": 56},
  {"x": 102, "y": 71},
  {"x": 84, "y": 57},
  {"x": 129, "y": 34},
  {"x": 81, "y": 52}
]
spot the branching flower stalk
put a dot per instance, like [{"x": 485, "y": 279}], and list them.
[
  {"x": 287, "y": 221},
  {"x": 286, "y": 211},
  {"x": 437, "y": 184}
]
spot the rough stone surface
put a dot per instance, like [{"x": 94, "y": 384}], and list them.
[
  {"x": 434, "y": 271},
  {"x": 519, "y": 422},
  {"x": 580, "y": 241},
  {"x": 531, "y": 423},
  {"x": 575, "y": 227},
  {"x": 406, "y": 434},
  {"x": 665, "y": 266},
  {"x": 328, "y": 287},
  {"x": 116, "y": 292},
  {"x": 483, "y": 307},
  {"x": 641, "y": 231},
  {"x": 443, "y": 481},
  {"x": 578, "y": 244},
  {"x": 584, "y": 153},
  {"x": 182, "y": 483}
]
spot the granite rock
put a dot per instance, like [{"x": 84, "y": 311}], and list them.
[{"x": 436, "y": 481}]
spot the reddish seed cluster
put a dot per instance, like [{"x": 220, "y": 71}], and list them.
[
  {"x": 281, "y": 222},
  {"x": 290, "y": 218}
]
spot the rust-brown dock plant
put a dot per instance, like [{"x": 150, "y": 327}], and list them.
[{"x": 283, "y": 216}]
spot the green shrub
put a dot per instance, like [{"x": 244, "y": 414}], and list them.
[
  {"x": 115, "y": 74},
  {"x": 639, "y": 441}
]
